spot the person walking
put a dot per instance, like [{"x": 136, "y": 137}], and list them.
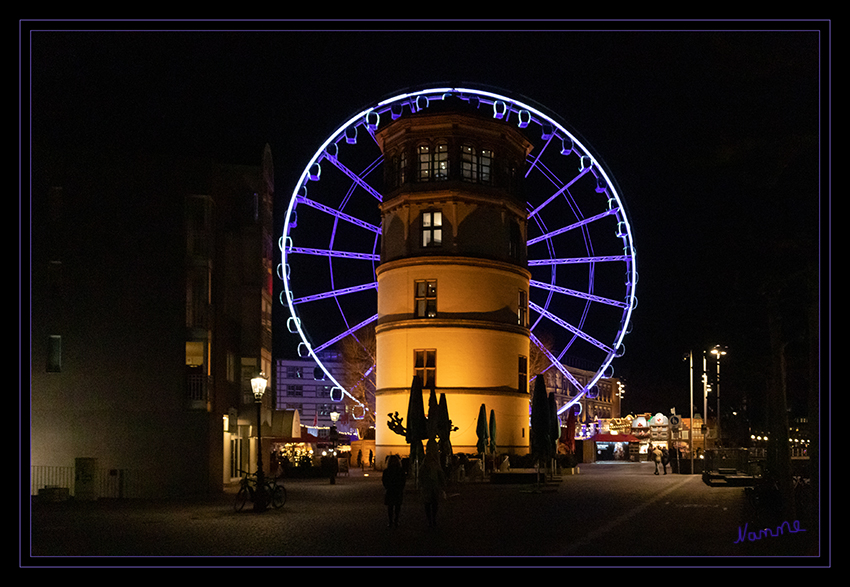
[
  {"x": 393, "y": 479},
  {"x": 665, "y": 459},
  {"x": 656, "y": 456},
  {"x": 432, "y": 482}
]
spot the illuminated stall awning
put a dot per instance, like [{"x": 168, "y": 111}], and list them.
[{"x": 615, "y": 438}]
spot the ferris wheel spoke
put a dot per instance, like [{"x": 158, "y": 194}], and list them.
[
  {"x": 333, "y": 253},
  {"x": 342, "y": 335},
  {"x": 577, "y": 260},
  {"x": 335, "y": 293},
  {"x": 536, "y": 162},
  {"x": 555, "y": 361},
  {"x": 356, "y": 178},
  {"x": 559, "y": 192},
  {"x": 564, "y": 324},
  {"x": 573, "y": 226},
  {"x": 341, "y": 215},
  {"x": 577, "y": 294}
]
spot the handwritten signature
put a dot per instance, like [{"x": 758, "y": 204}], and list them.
[{"x": 752, "y": 536}]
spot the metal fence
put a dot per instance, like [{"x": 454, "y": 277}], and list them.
[{"x": 109, "y": 483}]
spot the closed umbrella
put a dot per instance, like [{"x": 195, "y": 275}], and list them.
[
  {"x": 416, "y": 422},
  {"x": 554, "y": 421},
  {"x": 433, "y": 416},
  {"x": 540, "y": 422},
  {"x": 571, "y": 430},
  {"x": 482, "y": 430},
  {"x": 554, "y": 427},
  {"x": 493, "y": 432},
  {"x": 444, "y": 429}
]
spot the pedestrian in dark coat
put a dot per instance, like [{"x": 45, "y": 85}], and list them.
[
  {"x": 394, "y": 479},
  {"x": 432, "y": 482},
  {"x": 665, "y": 458}
]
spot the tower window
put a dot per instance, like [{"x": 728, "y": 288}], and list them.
[
  {"x": 476, "y": 165},
  {"x": 425, "y": 367},
  {"x": 522, "y": 308},
  {"x": 485, "y": 163},
  {"x": 432, "y": 229},
  {"x": 441, "y": 162},
  {"x": 425, "y": 302},
  {"x": 433, "y": 163},
  {"x": 523, "y": 374},
  {"x": 424, "y": 153}
]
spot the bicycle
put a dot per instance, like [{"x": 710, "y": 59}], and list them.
[{"x": 275, "y": 493}]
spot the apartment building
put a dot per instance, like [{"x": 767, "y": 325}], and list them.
[{"x": 151, "y": 288}]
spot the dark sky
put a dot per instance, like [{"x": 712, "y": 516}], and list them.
[{"x": 714, "y": 132}]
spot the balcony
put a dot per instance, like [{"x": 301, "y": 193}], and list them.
[{"x": 197, "y": 390}]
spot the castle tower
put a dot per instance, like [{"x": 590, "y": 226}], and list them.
[{"x": 453, "y": 280}]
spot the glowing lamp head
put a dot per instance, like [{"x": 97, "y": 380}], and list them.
[
  {"x": 258, "y": 385},
  {"x": 334, "y": 416}
]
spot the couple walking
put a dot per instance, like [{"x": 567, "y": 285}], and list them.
[
  {"x": 432, "y": 485},
  {"x": 661, "y": 457}
]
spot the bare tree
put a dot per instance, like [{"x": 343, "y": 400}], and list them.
[
  {"x": 358, "y": 377},
  {"x": 538, "y": 361}
]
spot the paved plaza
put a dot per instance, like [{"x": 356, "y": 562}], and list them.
[{"x": 610, "y": 512}]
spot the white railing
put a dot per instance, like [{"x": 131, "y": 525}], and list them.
[{"x": 111, "y": 483}]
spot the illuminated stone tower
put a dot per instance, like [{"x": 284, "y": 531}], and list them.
[{"x": 453, "y": 280}]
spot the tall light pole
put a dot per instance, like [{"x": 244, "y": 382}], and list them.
[
  {"x": 691, "y": 431},
  {"x": 258, "y": 385},
  {"x": 704, "y": 406},
  {"x": 718, "y": 351}
]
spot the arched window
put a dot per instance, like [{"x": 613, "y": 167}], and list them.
[
  {"x": 476, "y": 164},
  {"x": 433, "y": 162},
  {"x": 398, "y": 170},
  {"x": 424, "y": 168}
]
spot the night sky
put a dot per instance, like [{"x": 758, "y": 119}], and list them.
[{"x": 715, "y": 132}]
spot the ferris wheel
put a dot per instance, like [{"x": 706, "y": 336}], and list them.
[{"x": 580, "y": 246}]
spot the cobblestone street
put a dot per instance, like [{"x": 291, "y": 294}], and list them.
[{"x": 614, "y": 511}]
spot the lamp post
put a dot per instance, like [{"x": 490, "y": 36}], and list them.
[
  {"x": 691, "y": 431},
  {"x": 333, "y": 434},
  {"x": 258, "y": 385},
  {"x": 718, "y": 351},
  {"x": 704, "y": 407}
]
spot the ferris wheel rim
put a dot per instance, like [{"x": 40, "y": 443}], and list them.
[{"x": 465, "y": 89}]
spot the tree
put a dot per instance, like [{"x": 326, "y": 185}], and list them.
[{"x": 358, "y": 374}]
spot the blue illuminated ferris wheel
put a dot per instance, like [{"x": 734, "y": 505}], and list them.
[{"x": 581, "y": 252}]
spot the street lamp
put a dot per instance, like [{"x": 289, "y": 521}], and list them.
[
  {"x": 334, "y": 464},
  {"x": 258, "y": 385},
  {"x": 718, "y": 351}
]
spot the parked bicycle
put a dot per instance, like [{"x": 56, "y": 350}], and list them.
[{"x": 275, "y": 492}]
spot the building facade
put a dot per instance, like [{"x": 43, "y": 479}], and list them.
[
  {"x": 300, "y": 384},
  {"x": 151, "y": 310}
]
